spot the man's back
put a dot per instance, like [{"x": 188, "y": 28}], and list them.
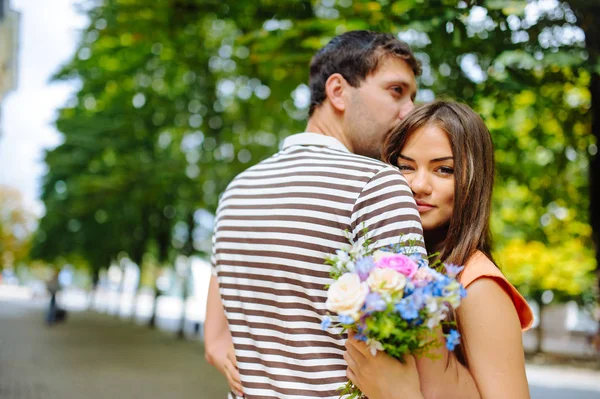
[{"x": 275, "y": 224}]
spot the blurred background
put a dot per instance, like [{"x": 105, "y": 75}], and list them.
[{"x": 122, "y": 121}]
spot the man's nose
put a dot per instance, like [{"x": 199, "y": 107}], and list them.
[{"x": 405, "y": 109}]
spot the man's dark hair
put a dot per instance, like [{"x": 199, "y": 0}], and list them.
[{"x": 354, "y": 55}]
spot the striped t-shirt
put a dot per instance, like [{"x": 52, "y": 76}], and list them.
[{"x": 275, "y": 224}]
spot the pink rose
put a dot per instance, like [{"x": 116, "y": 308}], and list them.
[{"x": 398, "y": 262}]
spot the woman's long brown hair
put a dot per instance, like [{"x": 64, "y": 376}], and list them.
[{"x": 469, "y": 227}]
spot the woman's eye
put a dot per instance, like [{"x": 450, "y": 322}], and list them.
[
  {"x": 405, "y": 167},
  {"x": 446, "y": 170}
]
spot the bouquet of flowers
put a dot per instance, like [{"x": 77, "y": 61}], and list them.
[{"x": 393, "y": 298}]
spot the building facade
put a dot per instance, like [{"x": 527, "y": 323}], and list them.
[{"x": 9, "y": 31}]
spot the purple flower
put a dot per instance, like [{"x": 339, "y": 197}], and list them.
[
  {"x": 452, "y": 339},
  {"x": 363, "y": 267},
  {"x": 325, "y": 322},
  {"x": 375, "y": 303},
  {"x": 453, "y": 270}
]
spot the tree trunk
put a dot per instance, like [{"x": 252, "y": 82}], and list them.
[
  {"x": 152, "y": 321},
  {"x": 184, "y": 297},
  {"x": 539, "y": 332}
]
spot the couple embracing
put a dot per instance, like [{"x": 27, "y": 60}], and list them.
[{"x": 368, "y": 159}]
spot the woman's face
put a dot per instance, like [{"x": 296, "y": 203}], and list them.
[{"x": 427, "y": 162}]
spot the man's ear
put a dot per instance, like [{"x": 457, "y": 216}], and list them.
[{"x": 336, "y": 89}]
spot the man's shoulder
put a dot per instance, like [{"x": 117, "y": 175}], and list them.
[{"x": 318, "y": 160}]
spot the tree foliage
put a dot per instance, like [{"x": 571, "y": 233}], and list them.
[{"x": 178, "y": 98}]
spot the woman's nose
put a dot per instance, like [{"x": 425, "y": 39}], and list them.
[{"x": 420, "y": 184}]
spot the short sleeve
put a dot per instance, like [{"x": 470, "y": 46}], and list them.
[
  {"x": 479, "y": 266},
  {"x": 387, "y": 210}
]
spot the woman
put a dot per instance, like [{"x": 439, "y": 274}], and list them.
[{"x": 445, "y": 152}]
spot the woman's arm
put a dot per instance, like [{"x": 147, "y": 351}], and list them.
[
  {"x": 491, "y": 333},
  {"x": 218, "y": 344},
  {"x": 444, "y": 376}
]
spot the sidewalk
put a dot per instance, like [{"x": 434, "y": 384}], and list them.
[{"x": 95, "y": 356}]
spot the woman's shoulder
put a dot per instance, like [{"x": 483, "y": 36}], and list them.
[{"x": 480, "y": 266}]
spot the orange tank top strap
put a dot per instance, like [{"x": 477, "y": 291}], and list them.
[{"x": 479, "y": 266}]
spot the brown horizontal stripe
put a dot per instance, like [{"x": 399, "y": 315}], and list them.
[
  {"x": 292, "y": 355},
  {"x": 276, "y": 316},
  {"x": 308, "y": 285},
  {"x": 334, "y": 175},
  {"x": 393, "y": 210},
  {"x": 315, "y": 184},
  {"x": 334, "y": 153},
  {"x": 274, "y": 266},
  {"x": 291, "y": 195},
  {"x": 284, "y": 243},
  {"x": 272, "y": 254},
  {"x": 289, "y": 331},
  {"x": 289, "y": 343},
  {"x": 285, "y": 391},
  {"x": 318, "y": 162},
  {"x": 267, "y": 290},
  {"x": 305, "y": 207},
  {"x": 283, "y": 305},
  {"x": 399, "y": 180},
  {"x": 291, "y": 366},
  {"x": 288, "y": 230},
  {"x": 285, "y": 218},
  {"x": 293, "y": 378}
]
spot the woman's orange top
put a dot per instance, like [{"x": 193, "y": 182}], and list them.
[{"x": 479, "y": 266}]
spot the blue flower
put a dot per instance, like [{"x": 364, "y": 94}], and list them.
[
  {"x": 452, "y": 339},
  {"x": 407, "y": 309},
  {"x": 374, "y": 303},
  {"x": 463, "y": 292},
  {"x": 326, "y": 322},
  {"x": 363, "y": 267},
  {"x": 346, "y": 320},
  {"x": 419, "y": 260}
]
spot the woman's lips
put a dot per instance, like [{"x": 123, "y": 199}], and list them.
[{"x": 424, "y": 206}]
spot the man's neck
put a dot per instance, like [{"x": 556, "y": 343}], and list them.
[{"x": 328, "y": 127}]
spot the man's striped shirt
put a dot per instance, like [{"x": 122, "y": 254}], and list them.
[{"x": 275, "y": 224}]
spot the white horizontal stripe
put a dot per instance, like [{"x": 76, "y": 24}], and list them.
[
  {"x": 288, "y": 299},
  {"x": 282, "y": 224},
  {"x": 299, "y": 338},
  {"x": 291, "y": 192},
  {"x": 275, "y": 179},
  {"x": 277, "y": 286},
  {"x": 289, "y": 249},
  {"x": 284, "y": 359},
  {"x": 258, "y": 273},
  {"x": 264, "y": 235},
  {"x": 399, "y": 210},
  {"x": 295, "y": 373}
]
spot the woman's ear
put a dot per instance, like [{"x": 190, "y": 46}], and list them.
[{"x": 336, "y": 89}]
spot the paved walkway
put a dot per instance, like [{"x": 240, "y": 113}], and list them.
[{"x": 95, "y": 356}]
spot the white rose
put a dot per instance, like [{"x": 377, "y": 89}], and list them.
[
  {"x": 379, "y": 254},
  {"x": 386, "y": 281},
  {"x": 347, "y": 295}
]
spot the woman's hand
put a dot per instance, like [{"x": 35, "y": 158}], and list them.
[{"x": 381, "y": 376}]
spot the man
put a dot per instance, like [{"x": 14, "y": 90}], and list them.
[{"x": 278, "y": 220}]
